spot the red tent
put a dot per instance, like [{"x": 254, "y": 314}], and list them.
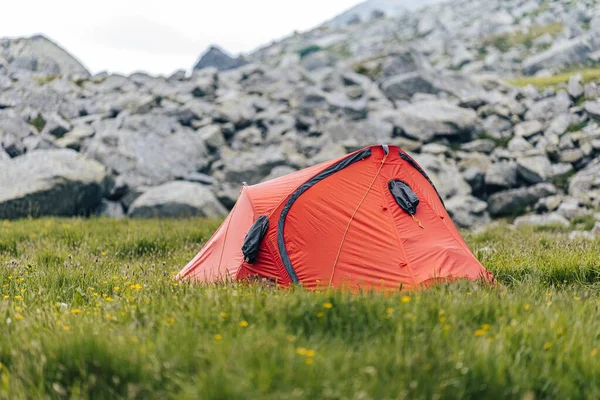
[{"x": 371, "y": 219}]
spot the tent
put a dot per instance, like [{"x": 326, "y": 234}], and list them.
[{"x": 372, "y": 219}]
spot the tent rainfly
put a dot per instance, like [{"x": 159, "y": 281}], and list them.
[{"x": 369, "y": 220}]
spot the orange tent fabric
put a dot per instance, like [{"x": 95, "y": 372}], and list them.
[{"x": 338, "y": 224}]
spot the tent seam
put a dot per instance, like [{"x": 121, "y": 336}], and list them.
[{"x": 402, "y": 249}]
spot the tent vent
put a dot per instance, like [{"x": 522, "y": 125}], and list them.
[
  {"x": 253, "y": 239},
  {"x": 404, "y": 196}
]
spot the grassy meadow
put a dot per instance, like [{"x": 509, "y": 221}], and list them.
[{"x": 89, "y": 309}]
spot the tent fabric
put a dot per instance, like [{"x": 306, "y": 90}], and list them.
[{"x": 338, "y": 224}]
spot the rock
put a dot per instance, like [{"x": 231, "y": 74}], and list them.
[
  {"x": 585, "y": 184},
  {"x": 177, "y": 199},
  {"x": 212, "y": 135},
  {"x": 444, "y": 174},
  {"x": 571, "y": 208},
  {"x": 591, "y": 91},
  {"x": 251, "y": 166},
  {"x": 357, "y": 134},
  {"x": 500, "y": 176},
  {"x": 534, "y": 169},
  {"x": 479, "y": 145},
  {"x": 278, "y": 172},
  {"x": 74, "y": 139},
  {"x": 198, "y": 177},
  {"x": 110, "y": 209},
  {"x": 227, "y": 194},
  {"x": 51, "y": 182},
  {"x": 39, "y": 54},
  {"x": 571, "y": 156},
  {"x": 214, "y": 57},
  {"x": 468, "y": 211},
  {"x": 404, "y": 87},
  {"x": 583, "y": 235},
  {"x": 552, "y": 219},
  {"x": 593, "y": 109},
  {"x": 515, "y": 201},
  {"x": 496, "y": 126},
  {"x": 549, "y": 108},
  {"x": 238, "y": 110},
  {"x": 13, "y": 129},
  {"x": 574, "y": 86},
  {"x": 147, "y": 150},
  {"x": 561, "y": 54},
  {"x": 3, "y": 155},
  {"x": 550, "y": 203},
  {"x": 518, "y": 144},
  {"x": 55, "y": 125},
  {"x": 476, "y": 179},
  {"x": 528, "y": 128},
  {"x": 427, "y": 120},
  {"x": 435, "y": 148}
]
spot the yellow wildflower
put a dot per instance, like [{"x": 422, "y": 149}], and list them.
[
  {"x": 309, "y": 361},
  {"x": 243, "y": 324},
  {"x": 310, "y": 353},
  {"x": 116, "y": 289},
  {"x": 17, "y": 297},
  {"x": 170, "y": 321},
  {"x": 389, "y": 310},
  {"x": 137, "y": 287},
  {"x": 223, "y": 314},
  {"x": 320, "y": 314},
  {"x": 327, "y": 305},
  {"x": 301, "y": 351},
  {"x": 446, "y": 328},
  {"x": 479, "y": 332},
  {"x": 547, "y": 346},
  {"x": 76, "y": 311},
  {"x": 18, "y": 317},
  {"x": 485, "y": 327},
  {"x": 526, "y": 307},
  {"x": 218, "y": 337},
  {"x": 405, "y": 299}
]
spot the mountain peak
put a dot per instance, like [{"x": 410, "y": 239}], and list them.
[{"x": 216, "y": 57}]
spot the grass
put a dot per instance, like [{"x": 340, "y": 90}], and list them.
[
  {"x": 542, "y": 82},
  {"x": 89, "y": 309},
  {"x": 506, "y": 41}
]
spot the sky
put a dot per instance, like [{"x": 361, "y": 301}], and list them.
[{"x": 160, "y": 36}]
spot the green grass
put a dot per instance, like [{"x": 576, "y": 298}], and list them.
[
  {"x": 506, "y": 41},
  {"x": 89, "y": 309},
  {"x": 542, "y": 82}
]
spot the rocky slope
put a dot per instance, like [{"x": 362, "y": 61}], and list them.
[{"x": 142, "y": 146}]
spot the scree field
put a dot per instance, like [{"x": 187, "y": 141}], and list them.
[{"x": 90, "y": 309}]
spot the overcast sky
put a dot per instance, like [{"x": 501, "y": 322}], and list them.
[{"x": 160, "y": 36}]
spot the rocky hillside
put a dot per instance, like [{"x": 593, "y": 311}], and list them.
[{"x": 182, "y": 145}]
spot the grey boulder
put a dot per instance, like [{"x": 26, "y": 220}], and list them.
[
  {"x": 51, "y": 182},
  {"x": 427, "y": 120},
  {"x": 468, "y": 211},
  {"x": 177, "y": 199},
  {"x": 516, "y": 201}
]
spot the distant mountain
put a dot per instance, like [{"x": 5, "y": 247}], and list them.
[
  {"x": 364, "y": 11},
  {"x": 39, "y": 54},
  {"x": 217, "y": 58}
]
